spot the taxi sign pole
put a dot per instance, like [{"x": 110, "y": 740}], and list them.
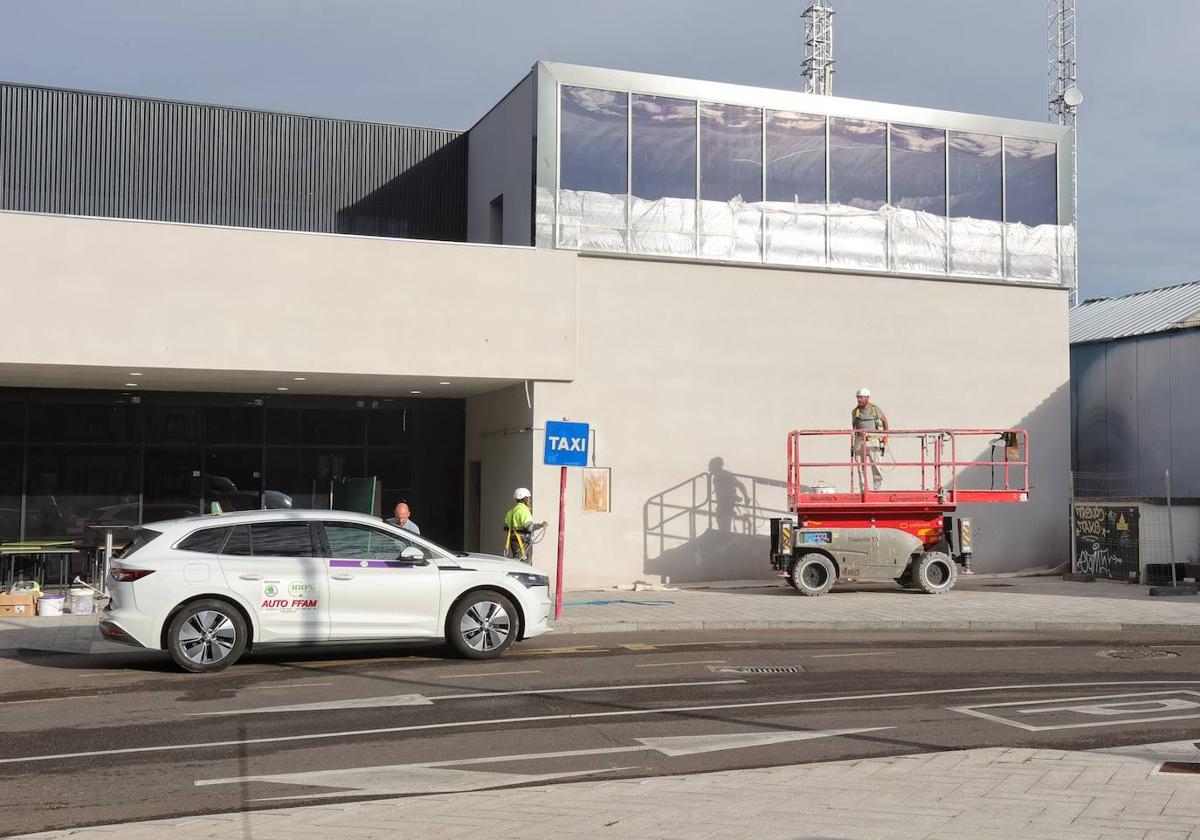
[{"x": 562, "y": 533}]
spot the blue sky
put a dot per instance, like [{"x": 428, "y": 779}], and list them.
[{"x": 444, "y": 64}]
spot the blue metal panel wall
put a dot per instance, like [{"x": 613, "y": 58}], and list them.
[
  {"x": 98, "y": 154},
  {"x": 1184, "y": 374},
  {"x": 1136, "y": 413}
]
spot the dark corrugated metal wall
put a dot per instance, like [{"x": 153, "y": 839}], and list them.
[
  {"x": 97, "y": 154},
  {"x": 1134, "y": 406}
]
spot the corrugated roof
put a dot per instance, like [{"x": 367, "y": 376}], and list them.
[{"x": 1142, "y": 313}]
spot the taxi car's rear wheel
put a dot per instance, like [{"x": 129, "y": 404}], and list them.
[
  {"x": 482, "y": 625},
  {"x": 207, "y": 636}
]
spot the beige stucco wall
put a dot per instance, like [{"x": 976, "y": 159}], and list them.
[
  {"x": 95, "y": 292},
  {"x": 683, "y": 363}
]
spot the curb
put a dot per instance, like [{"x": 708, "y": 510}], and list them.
[{"x": 564, "y": 629}]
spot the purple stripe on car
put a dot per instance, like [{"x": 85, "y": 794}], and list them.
[{"x": 370, "y": 564}]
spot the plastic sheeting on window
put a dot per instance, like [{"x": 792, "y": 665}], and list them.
[
  {"x": 666, "y": 227},
  {"x": 782, "y": 233},
  {"x": 1032, "y": 252}
]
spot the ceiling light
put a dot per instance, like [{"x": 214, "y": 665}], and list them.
[
  {"x": 443, "y": 383},
  {"x": 131, "y": 385},
  {"x": 414, "y": 392},
  {"x": 131, "y": 373},
  {"x": 281, "y": 388},
  {"x": 300, "y": 378}
]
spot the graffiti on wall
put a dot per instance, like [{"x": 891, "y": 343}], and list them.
[{"x": 1106, "y": 542}]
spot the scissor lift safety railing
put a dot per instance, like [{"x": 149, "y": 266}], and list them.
[{"x": 942, "y": 460}]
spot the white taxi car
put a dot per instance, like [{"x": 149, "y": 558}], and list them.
[{"x": 206, "y": 588}]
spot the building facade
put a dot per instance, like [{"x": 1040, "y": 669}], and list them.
[{"x": 693, "y": 268}]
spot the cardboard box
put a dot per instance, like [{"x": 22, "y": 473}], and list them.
[{"x": 18, "y": 605}]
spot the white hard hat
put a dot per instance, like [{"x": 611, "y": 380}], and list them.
[
  {"x": 863, "y": 392},
  {"x": 521, "y": 493}
]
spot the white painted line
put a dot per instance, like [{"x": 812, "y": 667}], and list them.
[
  {"x": 645, "y": 646},
  {"x": 1103, "y": 710},
  {"x": 415, "y": 778},
  {"x": 1021, "y": 647},
  {"x": 689, "y": 662},
  {"x": 474, "y": 674},
  {"x": 836, "y": 655},
  {"x": 423, "y": 700},
  {"x": 284, "y": 685},
  {"x": 316, "y": 736}
]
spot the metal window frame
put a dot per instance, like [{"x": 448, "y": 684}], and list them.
[{"x": 764, "y": 100}]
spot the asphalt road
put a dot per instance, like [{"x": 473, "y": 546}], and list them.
[{"x": 99, "y": 739}]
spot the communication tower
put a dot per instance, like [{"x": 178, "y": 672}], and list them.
[{"x": 818, "y": 48}]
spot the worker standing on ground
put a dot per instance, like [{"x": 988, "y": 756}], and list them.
[
  {"x": 868, "y": 449},
  {"x": 520, "y": 528}
]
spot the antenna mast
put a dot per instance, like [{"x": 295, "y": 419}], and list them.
[
  {"x": 818, "y": 48},
  {"x": 1064, "y": 99}
]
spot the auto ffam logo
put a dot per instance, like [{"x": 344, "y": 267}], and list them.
[{"x": 301, "y": 596}]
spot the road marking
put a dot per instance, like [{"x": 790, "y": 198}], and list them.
[
  {"x": 278, "y": 687},
  {"x": 1021, "y": 647},
  {"x": 643, "y": 646},
  {"x": 426, "y": 777},
  {"x": 423, "y": 700},
  {"x": 835, "y": 655},
  {"x": 50, "y": 699},
  {"x": 474, "y": 674},
  {"x": 1079, "y": 706},
  {"x": 760, "y": 704},
  {"x": 689, "y": 662},
  {"x": 334, "y": 663},
  {"x": 556, "y": 650}
]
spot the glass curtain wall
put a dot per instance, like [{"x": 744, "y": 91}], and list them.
[
  {"x": 656, "y": 175},
  {"x": 71, "y": 461}
]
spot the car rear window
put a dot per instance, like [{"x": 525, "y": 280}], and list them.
[
  {"x": 141, "y": 537},
  {"x": 204, "y": 541}
]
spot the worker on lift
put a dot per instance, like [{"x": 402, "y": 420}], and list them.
[
  {"x": 520, "y": 528},
  {"x": 868, "y": 449}
]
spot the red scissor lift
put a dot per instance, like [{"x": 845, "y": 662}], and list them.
[{"x": 941, "y": 469}]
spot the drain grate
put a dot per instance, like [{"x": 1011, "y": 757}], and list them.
[
  {"x": 1138, "y": 653},
  {"x": 1179, "y": 767},
  {"x": 756, "y": 669}
]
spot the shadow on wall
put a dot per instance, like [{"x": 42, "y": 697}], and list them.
[
  {"x": 712, "y": 526},
  {"x": 426, "y": 201}
]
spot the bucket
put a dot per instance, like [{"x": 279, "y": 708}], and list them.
[
  {"x": 79, "y": 601},
  {"x": 50, "y": 605}
]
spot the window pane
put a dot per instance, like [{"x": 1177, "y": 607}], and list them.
[
  {"x": 12, "y": 422},
  {"x": 593, "y": 148},
  {"x": 336, "y": 426},
  {"x": 205, "y": 541},
  {"x": 730, "y": 153},
  {"x": 238, "y": 544},
  {"x": 664, "y": 148},
  {"x": 281, "y": 539},
  {"x": 10, "y": 493},
  {"x": 69, "y": 488},
  {"x": 354, "y": 542},
  {"x": 919, "y": 169},
  {"x": 975, "y": 187},
  {"x": 795, "y": 157},
  {"x": 239, "y": 424},
  {"x": 858, "y": 163},
  {"x": 83, "y": 423},
  {"x": 233, "y": 478},
  {"x": 1031, "y": 169}
]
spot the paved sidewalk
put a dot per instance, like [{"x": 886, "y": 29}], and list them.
[
  {"x": 982, "y": 603},
  {"x": 978, "y": 603},
  {"x": 983, "y": 794}
]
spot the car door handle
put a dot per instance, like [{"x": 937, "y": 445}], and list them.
[
  {"x": 342, "y": 577},
  {"x": 250, "y": 577}
]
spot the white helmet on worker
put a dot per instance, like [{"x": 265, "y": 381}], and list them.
[
  {"x": 863, "y": 392},
  {"x": 521, "y": 493}
]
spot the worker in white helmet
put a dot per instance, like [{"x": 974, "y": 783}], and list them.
[
  {"x": 520, "y": 528},
  {"x": 867, "y": 449}
]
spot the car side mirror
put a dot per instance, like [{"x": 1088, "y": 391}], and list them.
[{"x": 412, "y": 553}]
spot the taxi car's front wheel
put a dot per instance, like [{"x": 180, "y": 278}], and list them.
[
  {"x": 482, "y": 625},
  {"x": 207, "y": 636}
]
